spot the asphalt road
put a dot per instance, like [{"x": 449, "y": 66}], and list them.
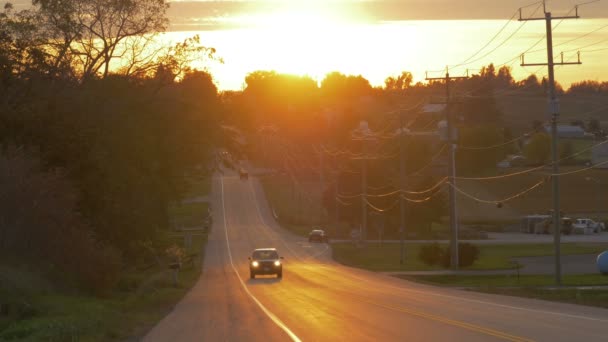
[{"x": 319, "y": 300}]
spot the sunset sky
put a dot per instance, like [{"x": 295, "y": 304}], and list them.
[{"x": 378, "y": 39}]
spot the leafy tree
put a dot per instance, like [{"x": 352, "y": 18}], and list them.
[
  {"x": 481, "y": 107},
  {"x": 398, "y": 83},
  {"x": 339, "y": 88},
  {"x": 41, "y": 224},
  {"x": 538, "y": 149},
  {"x": 588, "y": 87},
  {"x": 532, "y": 85},
  {"x": 94, "y": 32},
  {"x": 473, "y": 160},
  {"x": 85, "y": 39}
]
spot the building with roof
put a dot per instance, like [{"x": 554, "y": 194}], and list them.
[{"x": 567, "y": 131}]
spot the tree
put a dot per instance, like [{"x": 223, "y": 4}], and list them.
[
  {"x": 86, "y": 39},
  {"x": 538, "y": 149},
  {"x": 88, "y": 34},
  {"x": 532, "y": 85},
  {"x": 478, "y": 160},
  {"x": 337, "y": 87},
  {"x": 399, "y": 83},
  {"x": 41, "y": 223}
]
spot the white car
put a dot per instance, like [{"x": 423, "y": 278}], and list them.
[{"x": 588, "y": 225}]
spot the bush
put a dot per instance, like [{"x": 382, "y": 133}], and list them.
[
  {"x": 467, "y": 254},
  {"x": 431, "y": 254},
  {"x": 42, "y": 225}
]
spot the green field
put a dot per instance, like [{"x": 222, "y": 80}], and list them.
[{"x": 385, "y": 258}]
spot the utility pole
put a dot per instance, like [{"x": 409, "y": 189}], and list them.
[
  {"x": 401, "y": 186},
  {"x": 363, "y": 192},
  {"x": 322, "y": 180},
  {"x": 337, "y": 185},
  {"x": 451, "y": 167},
  {"x": 554, "y": 113},
  {"x": 365, "y": 135}
]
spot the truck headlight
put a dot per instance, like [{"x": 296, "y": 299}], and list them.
[
  {"x": 277, "y": 263},
  {"x": 255, "y": 264}
]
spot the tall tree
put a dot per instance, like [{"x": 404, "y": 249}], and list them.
[{"x": 89, "y": 34}]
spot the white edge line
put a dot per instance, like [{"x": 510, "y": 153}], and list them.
[{"x": 268, "y": 313}]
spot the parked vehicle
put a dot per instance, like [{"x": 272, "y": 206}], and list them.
[
  {"x": 587, "y": 226},
  {"x": 528, "y": 223},
  {"x": 265, "y": 261},
  {"x": 546, "y": 226}
]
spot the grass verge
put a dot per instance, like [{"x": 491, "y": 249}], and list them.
[
  {"x": 140, "y": 300},
  {"x": 385, "y": 258},
  {"x": 594, "y": 297},
  {"x": 33, "y": 309},
  {"x": 509, "y": 280},
  {"x": 529, "y": 286},
  {"x": 189, "y": 215}
]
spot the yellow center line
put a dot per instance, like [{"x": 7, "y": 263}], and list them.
[{"x": 460, "y": 324}]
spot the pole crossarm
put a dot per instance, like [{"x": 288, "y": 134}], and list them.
[{"x": 578, "y": 62}]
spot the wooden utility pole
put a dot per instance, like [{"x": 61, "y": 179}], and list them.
[
  {"x": 451, "y": 139},
  {"x": 554, "y": 113}
]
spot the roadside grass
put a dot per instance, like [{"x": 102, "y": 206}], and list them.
[
  {"x": 198, "y": 185},
  {"x": 121, "y": 315},
  {"x": 508, "y": 280},
  {"x": 38, "y": 311},
  {"x": 385, "y": 257},
  {"x": 528, "y": 286},
  {"x": 188, "y": 215},
  {"x": 35, "y": 310},
  {"x": 594, "y": 297}
]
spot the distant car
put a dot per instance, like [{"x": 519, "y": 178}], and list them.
[
  {"x": 243, "y": 174},
  {"x": 265, "y": 261},
  {"x": 586, "y": 224},
  {"x": 318, "y": 235}
]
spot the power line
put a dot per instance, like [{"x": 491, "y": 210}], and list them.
[
  {"x": 468, "y": 60},
  {"x": 504, "y": 200}
]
